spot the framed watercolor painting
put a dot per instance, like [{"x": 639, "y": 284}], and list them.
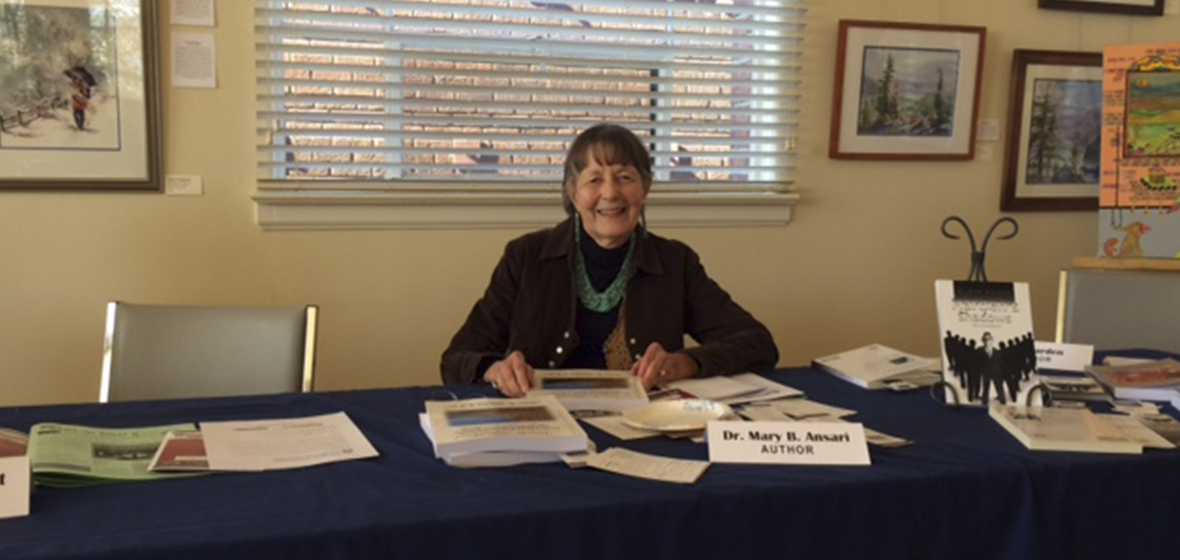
[
  {"x": 1133, "y": 7},
  {"x": 79, "y": 104},
  {"x": 906, "y": 91},
  {"x": 1054, "y": 146}
]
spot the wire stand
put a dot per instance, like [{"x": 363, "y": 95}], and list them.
[{"x": 979, "y": 254}]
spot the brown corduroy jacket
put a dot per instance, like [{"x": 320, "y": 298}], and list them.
[{"x": 531, "y": 306}]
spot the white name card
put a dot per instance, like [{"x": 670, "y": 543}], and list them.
[
  {"x": 14, "y": 486},
  {"x": 1065, "y": 357},
  {"x": 788, "y": 443}
]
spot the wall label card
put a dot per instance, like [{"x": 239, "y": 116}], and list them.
[
  {"x": 14, "y": 486},
  {"x": 788, "y": 443},
  {"x": 1065, "y": 357}
]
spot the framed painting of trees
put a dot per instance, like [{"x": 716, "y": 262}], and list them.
[
  {"x": 906, "y": 91},
  {"x": 1054, "y": 142}
]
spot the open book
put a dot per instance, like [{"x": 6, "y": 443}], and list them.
[{"x": 877, "y": 366}]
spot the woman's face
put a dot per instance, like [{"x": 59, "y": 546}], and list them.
[{"x": 609, "y": 198}]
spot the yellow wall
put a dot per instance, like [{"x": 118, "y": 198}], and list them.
[{"x": 857, "y": 264}]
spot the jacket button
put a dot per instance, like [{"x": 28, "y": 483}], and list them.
[
  {"x": 560, "y": 350},
  {"x": 566, "y": 334},
  {"x": 552, "y": 363},
  {"x": 632, "y": 342},
  {"x": 638, "y": 357}
]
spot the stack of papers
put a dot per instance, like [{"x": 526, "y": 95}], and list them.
[
  {"x": 69, "y": 455},
  {"x": 502, "y": 432}
]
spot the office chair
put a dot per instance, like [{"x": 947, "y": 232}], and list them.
[
  {"x": 1119, "y": 309},
  {"x": 172, "y": 351}
]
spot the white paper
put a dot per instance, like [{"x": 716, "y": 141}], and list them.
[
  {"x": 1066, "y": 357},
  {"x": 801, "y": 408},
  {"x": 788, "y": 443},
  {"x": 1132, "y": 428},
  {"x": 641, "y": 465},
  {"x": 193, "y": 12},
  {"x": 14, "y": 486},
  {"x": 614, "y": 425},
  {"x": 713, "y": 388},
  {"x": 257, "y": 445},
  {"x": 767, "y": 389},
  {"x": 194, "y": 60}
]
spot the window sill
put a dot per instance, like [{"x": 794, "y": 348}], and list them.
[{"x": 318, "y": 211}]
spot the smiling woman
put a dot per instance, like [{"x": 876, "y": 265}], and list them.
[{"x": 599, "y": 291}]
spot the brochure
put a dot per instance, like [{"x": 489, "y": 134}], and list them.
[{"x": 260, "y": 445}]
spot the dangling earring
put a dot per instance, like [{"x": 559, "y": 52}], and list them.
[{"x": 643, "y": 220}]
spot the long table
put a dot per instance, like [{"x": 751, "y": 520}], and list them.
[{"x": 966, "y": 490}]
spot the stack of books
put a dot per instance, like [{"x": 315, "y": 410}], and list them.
[
  {"x": 503, "y": 432},
  {"x": 1156, "y": 380}
]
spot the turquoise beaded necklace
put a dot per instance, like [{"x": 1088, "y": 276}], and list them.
[{"x": 607, "y": 299}]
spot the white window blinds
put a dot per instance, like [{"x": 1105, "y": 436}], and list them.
[{"x": 487, "y": 94}]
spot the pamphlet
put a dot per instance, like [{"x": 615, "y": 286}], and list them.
[
  {"x": 69, "y": 455},
  {"x": 1162, "y": 424},
  {"x": 876, "y": 366},
  {"x": 589, "y": 389},
  {"x": 259, "y": 445},
  {"x": 1136, "y": 430},
  {"x": 181, "y": 451}
]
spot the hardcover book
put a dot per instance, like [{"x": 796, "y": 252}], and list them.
[
  {"x": 1062, "y": 429},
  {"x": 988, "y": 350},
  {"x": 877, "y": 366},
  {"x": 1156, "y": 380}
]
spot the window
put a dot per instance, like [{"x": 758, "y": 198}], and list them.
[{"x": 408, "y": 112}]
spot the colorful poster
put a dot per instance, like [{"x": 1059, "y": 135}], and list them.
[{"x": 1139, "y": 199}]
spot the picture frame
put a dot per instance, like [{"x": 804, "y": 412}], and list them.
[
  {"x": 1132, "y": 7},
  {"x": 906, "y": 91},
  {"x": 1052, "y": 155},
  {"x": 79, "y": 101}
]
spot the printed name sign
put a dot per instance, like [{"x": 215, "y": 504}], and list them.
[
  {"x": 1065, "y": 357},
  {"x": 788, "y": 443},
  {"x": 14, "y": 486}
]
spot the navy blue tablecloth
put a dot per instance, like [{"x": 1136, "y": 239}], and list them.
[{"x": 966, "y": 490}]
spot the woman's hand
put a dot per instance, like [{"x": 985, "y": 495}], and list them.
[
  {"x": 513, "y": 376},
  {"x": 658, "y": 366}
]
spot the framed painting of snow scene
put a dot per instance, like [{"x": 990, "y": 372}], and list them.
[
  {"x": 906, "y": 91},
  {"x": 1054, "y": 145},
  {"x": 78, "y": 95}
]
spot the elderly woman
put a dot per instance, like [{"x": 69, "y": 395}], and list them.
[{"x": 600, "y": 291}]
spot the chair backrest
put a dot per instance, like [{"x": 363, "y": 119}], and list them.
[
  {"x": 171, "y": 351},
  {"x": 1119, "y": 309}
]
